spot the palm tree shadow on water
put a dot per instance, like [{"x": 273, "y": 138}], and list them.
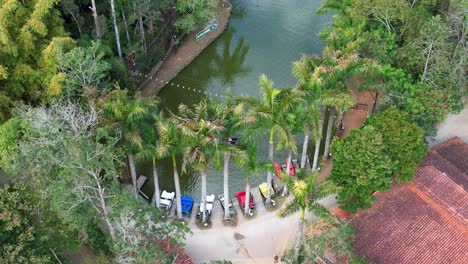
[
  {"x": 217, "y": 62},
  {"x": 231, "y": 65}
]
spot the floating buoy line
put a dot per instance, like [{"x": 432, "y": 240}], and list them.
[{"x": 186, "y": 87}]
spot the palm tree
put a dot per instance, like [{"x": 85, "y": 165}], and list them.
[
  {"x": 251, "y": 166},
  {"x": 337, "y": 68},
  {"x": 308, "y": 86},
  {"x": 307, "y": 192},
  {"x": 230, "y": 116},
  {"x": 151, "y": 152},
  {"x": 171, "y": 144},
  {"x": 335, "y": 100},
  {"x": 266, "y": 114},
  {"x": 201, "y": 129},
  {"x": 129, "y": 118}
]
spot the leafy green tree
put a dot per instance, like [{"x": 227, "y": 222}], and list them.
[
  {"x": 73, "y": 166},
  {"x": 28, "y": 30},
  {"x": 400, "y": 136},
  {"x": 307, "y": 192},
  {"x": 360, "y": 167},
  {"x": 330, "y": 236},
  {"x": 85, "y": 71},
  {"x": 390, "y": 13},
  {"x": 24, "y": 236},
  {"x": 193, "y": 14},
  {"x": 10, "y": 134}
]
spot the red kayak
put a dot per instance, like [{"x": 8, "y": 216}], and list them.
[
  {"x": 277, "y": 169},
  {"x": 292, "y": 171}
]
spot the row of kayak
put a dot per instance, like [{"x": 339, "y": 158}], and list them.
[
  {"x": 187, "y": 202},
  {"x": 167, "y": 200}
]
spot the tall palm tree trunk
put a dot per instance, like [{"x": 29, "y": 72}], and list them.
[
  {"x": 300, "y": 234},
  {"x": 116, "y": 29},
  {"x": 131, "y": 164},
  {"x": 203, "y": 193},
  {"x": 270, "y": 158},
  {"x": 329, "y": 132},
  {"x": 247, "y": 196},
  {"x": 226, "y": 186},
  {"x": 156, "y": 199},
  {"x": 304, "y": 147},
  {"x": 288, "y": 172},
  {"x": 177, "y": 188},
  {"x": 318, "y": 140},
  {"x": 95, "y": 17},
  {"x": 126, "y": 28}
]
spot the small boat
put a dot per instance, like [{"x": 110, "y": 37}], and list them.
[
  {"x": 167, "y": 198},
  {"x": 232, "y": 209},
  {"x": 187, "y": 204},
  {"x": 278, "y": 169},
  {"x": 263, "y": 192},
  {"x": 209, "y": 204},
  {"x": 292, "y": 170},
  {"x": 241, "y": 199}
]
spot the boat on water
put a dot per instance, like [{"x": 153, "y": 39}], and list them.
[
  {"x": 187, "y": 204},
  {"x": 167, "y": 199},
  {"x": 241, "y": 199}
]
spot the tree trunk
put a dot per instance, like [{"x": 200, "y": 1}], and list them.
[
  {"x": 156, "y": 199},
  {"x": 96, "y": 20},
  {"x": 329, "y": 132},
  {"x": 126, "y": 29},
  {"x": 247, "y": 196},
  {"x": 316, "y": 153},
  {"x": 142, "y": 29},
  {"x": 203, "y": 193},
  {"x": 270, "y": 159},
  {"x": 177, "y": 188},
  {"x": 288, "y": 172},
  {"x": 131, "y": 163},
  {"x": 102, "y": 204},
  {"x": 226, "y": 186},
  {"x": 300, "y": 234},
  {"x": 116, "y": 29},
  {"x": 427, "y": 62},
  {"x": 304, "y": 147},
  {"x": 318, "y": 140}
]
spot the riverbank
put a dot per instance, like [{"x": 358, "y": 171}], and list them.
[{"x": 185, "y": 54}]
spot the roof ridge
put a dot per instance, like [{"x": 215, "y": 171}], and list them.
[{"x": 446, "y": 215}]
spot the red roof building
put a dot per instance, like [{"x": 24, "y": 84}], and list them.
[{"x": 422, "y": 221}]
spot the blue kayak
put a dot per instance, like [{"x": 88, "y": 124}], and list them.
[{"x": 187, "y": 204}]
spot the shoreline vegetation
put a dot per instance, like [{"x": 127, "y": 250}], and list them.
[
  {"x": 185, "y": 54},
  {"x": 71, "y": 118}
]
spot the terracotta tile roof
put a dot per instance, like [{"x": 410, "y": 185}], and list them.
[{"x": 423, "y": 221}]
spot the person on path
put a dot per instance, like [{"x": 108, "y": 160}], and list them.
[{"x": 276, "y": 258}]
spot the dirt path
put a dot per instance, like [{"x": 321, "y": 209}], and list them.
[
  {"x": 184, "y": 55},
  {"x": 453, "y": 126},
  {"x": 253, "y": 240}
]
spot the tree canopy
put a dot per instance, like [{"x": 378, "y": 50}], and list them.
[{"x": 360, "y": 167}]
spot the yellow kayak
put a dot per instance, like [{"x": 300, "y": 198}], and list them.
[{"x": 263, "y": 189}]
